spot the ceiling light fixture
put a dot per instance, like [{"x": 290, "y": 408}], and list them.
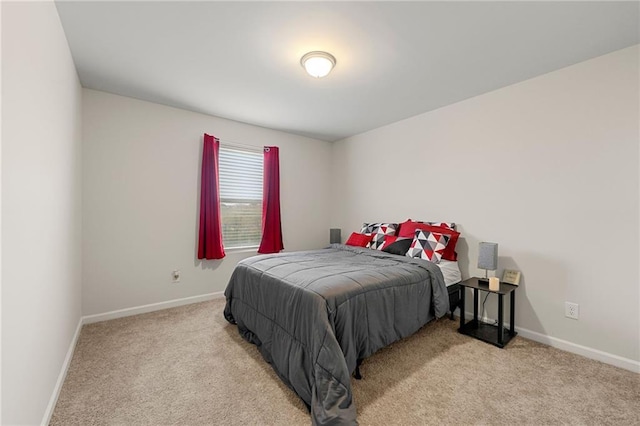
[{"x": 318, "y": 64}]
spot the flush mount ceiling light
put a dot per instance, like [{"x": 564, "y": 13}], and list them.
[{"x": 318, "y": 64}]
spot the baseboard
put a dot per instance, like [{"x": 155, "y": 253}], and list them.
[
  {"x": 112, "y": 315},
  {"x": 585, "y": 351},
  {"x": 89, "y": 319},
  {"x": 598, "y": 355},
  {"x": 62, "y": 376}
]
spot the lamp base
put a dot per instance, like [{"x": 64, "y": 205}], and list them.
[{"x": 483, "y": 281}]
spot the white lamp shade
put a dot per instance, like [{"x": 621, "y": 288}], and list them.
[{"x": 318, "y": 64}]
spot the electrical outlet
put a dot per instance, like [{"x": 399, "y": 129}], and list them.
[
  {"x": 175, "y": 276},
  {"x": 571, "y": 310}
]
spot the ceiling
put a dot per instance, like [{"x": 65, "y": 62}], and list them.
[{"x": 240, "y": 60}]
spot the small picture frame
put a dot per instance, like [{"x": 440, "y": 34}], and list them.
[{"x": 511, "y": 277}]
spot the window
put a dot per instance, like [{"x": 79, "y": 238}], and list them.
[{"x": 240, "y": 179}]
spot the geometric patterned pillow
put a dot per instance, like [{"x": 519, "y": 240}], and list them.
[
  {"x": 379, "y": 228},
  {"x": 428, "y": 245},
  {"x": 449, "y": 225},
  {"x": 450, "y": 251},
  {"x": 388, "y": 240},
  {"x": 408, "y": 230},
  {"x": 380, "y": 241},
  {"x": 377, "y": 241}
]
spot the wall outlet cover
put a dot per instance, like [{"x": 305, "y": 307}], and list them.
[{"x": 571, "y": 310}]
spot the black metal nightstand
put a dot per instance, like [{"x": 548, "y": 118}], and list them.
[{"x": 494, "y": 334}]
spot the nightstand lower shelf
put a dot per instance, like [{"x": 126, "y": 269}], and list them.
[{"x": 486, "y": 332}]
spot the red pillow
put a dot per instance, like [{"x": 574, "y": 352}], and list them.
[
  {"x": 408, "y": 230},
  {"x": 359, "y": 240}
]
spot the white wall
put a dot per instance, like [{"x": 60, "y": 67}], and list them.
[
  {"x": 41, "y": 207},
  {"x": 547, "y": 168},
  {"x": 141, "y": 175}
]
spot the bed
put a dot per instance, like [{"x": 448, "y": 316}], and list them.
[{"x": 315, "y": 315}]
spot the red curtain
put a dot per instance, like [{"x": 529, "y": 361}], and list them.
[
  {"x": 271, "y": 226},
  {"x": 210, "y": 235}
]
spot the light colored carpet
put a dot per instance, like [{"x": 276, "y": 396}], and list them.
[{"x": 188, "y": 366}]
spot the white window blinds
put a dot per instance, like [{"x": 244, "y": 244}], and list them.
[{"x": 240, "y": 179}]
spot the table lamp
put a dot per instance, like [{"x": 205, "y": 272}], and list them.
[
  {"x": 487, "y": 259},
  {"x": 334, "y": 236}
]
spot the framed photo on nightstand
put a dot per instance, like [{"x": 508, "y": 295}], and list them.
[{"x": 511, "y": 277}]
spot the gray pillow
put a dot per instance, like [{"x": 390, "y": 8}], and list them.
[{"x": 400, "y": 246}]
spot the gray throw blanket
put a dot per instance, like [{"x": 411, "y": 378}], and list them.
[{"x": 314, "y": 314}]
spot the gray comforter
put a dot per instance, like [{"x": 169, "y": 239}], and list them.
[{"x": 314, "y": 314}]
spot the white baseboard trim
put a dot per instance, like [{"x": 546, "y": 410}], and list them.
[
  {"x": 585, "y": 351},
  {"x": 89, "y": 319},
  {"x": 62, "y": 376},
  {"x": 598, "y": 355}
]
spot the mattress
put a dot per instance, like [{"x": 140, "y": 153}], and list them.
[{"x": 450, "y": 271}]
